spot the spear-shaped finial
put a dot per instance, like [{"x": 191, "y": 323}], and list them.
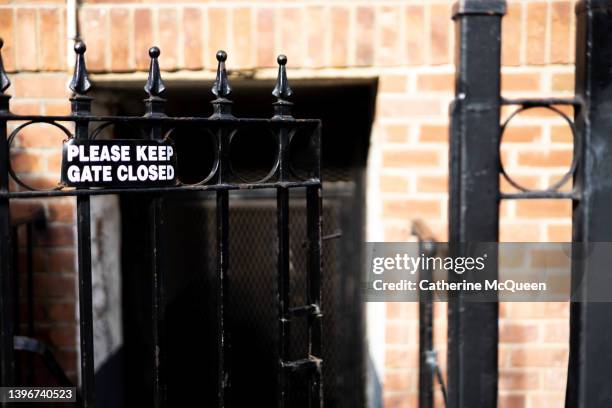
[
  {"x": 80, "y": 81},
  {"x": 154, "y": 86},
  {"x": 4, "y": 79},
  {"x": 221, "y": 88},
  {"x": 282, "y": 90}
]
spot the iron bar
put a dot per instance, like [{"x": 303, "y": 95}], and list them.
[
  {"x": 590, "y": 329},
  {"x": 223, "y": 346},
  {"x": 284, "y": 306},
  {"x": 154, "y": 107},
  {"x": 427, "y": 246},
  {"x": 542, "y": 102},
  {"x": 474, "y": 199},
  {"x": 313, "y": 204},
  {"x": 81, "y": 105},
  {"x": 7, "y": 361}
]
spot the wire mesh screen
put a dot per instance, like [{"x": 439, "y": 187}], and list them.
[{"x": 253, "y": 314}]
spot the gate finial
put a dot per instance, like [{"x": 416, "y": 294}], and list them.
[
  {"x": 4, "y": 79},
  {"x": 282, "y": 91},
  {"x": 222, "y": 107},
  {"x": 80, "y": 81},
  {"x": 154, "y": 86},
  {"x": 221, "y": 88}
]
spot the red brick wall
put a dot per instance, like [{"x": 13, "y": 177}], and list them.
[{"x": 409, "y": 46}]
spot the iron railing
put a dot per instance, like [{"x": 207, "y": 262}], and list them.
[{"x": 156, "y": 125}]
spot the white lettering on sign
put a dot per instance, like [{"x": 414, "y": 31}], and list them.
[{"x": 102, "y": 162}]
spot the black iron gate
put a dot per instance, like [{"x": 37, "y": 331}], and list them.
[
  {"x": 475, "y": 196},
  {"x": 221, "y": 179}
]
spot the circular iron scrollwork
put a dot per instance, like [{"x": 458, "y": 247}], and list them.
[
  {"x": 575, "y": 157},
  {"x": 273, "y": 165},
  {"x": 215, "y": 161},
  {"x": 10, "y": 141}
]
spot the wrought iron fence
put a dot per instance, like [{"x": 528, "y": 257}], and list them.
[{"x": 155, "y": 128}]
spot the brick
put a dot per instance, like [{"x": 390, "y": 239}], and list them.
[
  {"x": 560, "y": 33},
  {"x": 62, "y": 211},
  {"x": 399, "y": 332},
  {"x": 518, "y": 332},
  {"x": 93, "y": 23},
  {"x": 365, "y": 36},
  {"x": 54, "y": 286},
  {"x": 563, "y": 82},
  {"x": 218, "y": 38},
  {"x": 404, "y": 400},
  {"x": 511, "y": 401},
  {"x": 394, "y": 184},
  {"x": 398, "y": 380},
  {"x": 547, "y": 400},
  {"x": 52, "y": 45},
  {"x": 243, "y": 47},
  {"x": 57, "y": 108},
  {"x": 40, "y": 86},
  {"x": 556, "y": 332},
  {"x": 63, "y": 337},
  {"x": 62, "y": 312},
  {"x": 415, "y": 34},
  {"x": 411, "y": 208},
  {"x": 527, "y": 181},
  {"x": 559, "y": 233},
  {"x": 7, "y": 17},
  {"x": 436, "y": 82},
  {"x": 408, "y": 107},
  {"x": 143, "y": 37},
  {"x": 54, "y": 163},
  {"x": 292, "y": 40},
  {"x": 433, "y": 133},
  {"x": 511, "y": 35},
  {"x": 315, "y": 36},
  {"x": 522, "y": 134},
  {"x": 392, "y": 84},
  {"x": 432, "y": 184},
  {"x": 513, "y": 82},
  {"x": 265, "y": 37},
  {"x": 120, "y": 39},
  {"x": 395, "y": 133},
  {"x": 192, "y": 38},
  {"x": 440, "y": 25},
  {"x": 25, "y": 162},
  {"x": 544, "y": 209},
  {"x": 56, "y": 236},
  {"x": 518, "y": 380},
  {"x": 536, "y": 32},
  {"x": 398, "y": 358},
  {"x": 551, "y": 158},
  {"x": 40, "y": 136},
  {"x": 527, "y": 310},
  {"x": 388, "y": 49},
  {"x": 25, "y": 107},
  {"x": 168, "y": 40},
  {"x": 407, "y": 158},
  {"x": 61, "y": 260},
  {"x": 538, "y": 356},
  {"x": 339, "y": 36},
  {"x": 26, "y": 43}
]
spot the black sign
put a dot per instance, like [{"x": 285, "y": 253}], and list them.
[{"x": 118, "y": 163}]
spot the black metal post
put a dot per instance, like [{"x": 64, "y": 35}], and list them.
[
  {"x": 590, "y": 330},
  {"x": 427, "y": 247},
  {"x": 155, "y": 108},
  {"x": 282, "y": 111},
  {"x": 7, "y": 361},
  {"x": 81, "y": 106},
  {"x": 315, "y": 329},
  {"x": 222, "y": 110},
  {"x": 474, "y": 195}
]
